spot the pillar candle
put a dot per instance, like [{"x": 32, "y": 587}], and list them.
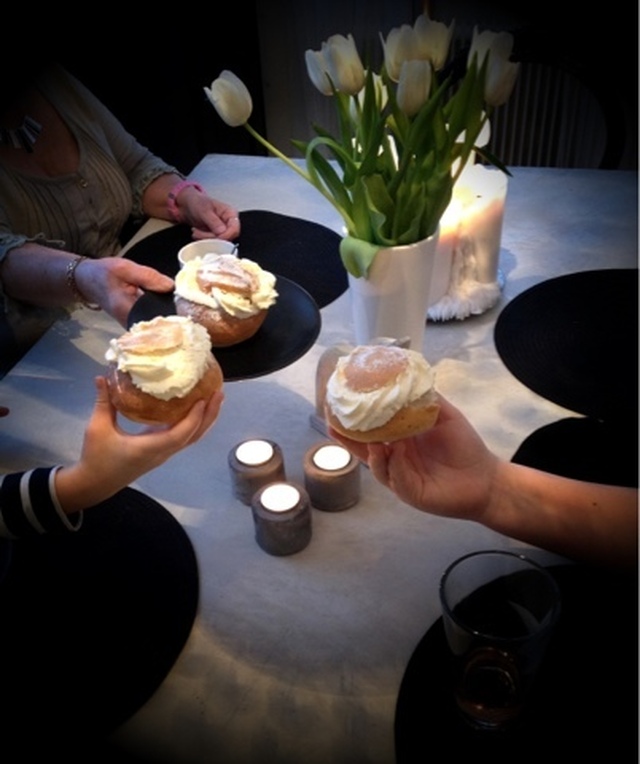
[
  {"x": 254, "y": 464},
  {"x": 331, "y": 477},
  {"x": 482, "y": 192},
  {"x": 447, "y": 241},
  {"x": 282, "y": 518}
]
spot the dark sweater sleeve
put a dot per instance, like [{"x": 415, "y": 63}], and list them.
[{"x": 29, "y": 505}]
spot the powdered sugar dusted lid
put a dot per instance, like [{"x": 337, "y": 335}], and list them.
[{"x": 373, "y": 382}]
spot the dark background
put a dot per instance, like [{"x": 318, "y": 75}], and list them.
[{"x": 150, "y": 65}]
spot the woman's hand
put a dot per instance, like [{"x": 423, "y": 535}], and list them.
[
  {"x": 115, "y": 284},
  {"x": 111, "y": 458},
  {"x": 446, "y": 471},
  {"x": 209, "y": 218}
]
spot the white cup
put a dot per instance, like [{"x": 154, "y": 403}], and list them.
[{"x": 203, "y": 247}]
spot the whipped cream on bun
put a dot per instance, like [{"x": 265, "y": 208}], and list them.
[
  {"x": 165, "y": 357},
  {"x": 381, "y": 393},
  {"x": 238, "y": 286}
]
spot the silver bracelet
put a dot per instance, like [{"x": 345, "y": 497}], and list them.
[{"x": 73, "y": 286}]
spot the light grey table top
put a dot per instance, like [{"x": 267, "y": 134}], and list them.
[{"x": 299, "y": 659}]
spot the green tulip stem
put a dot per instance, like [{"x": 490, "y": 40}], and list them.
[
  {"x": 303, "y": 174},
  {"x": 278, "y": 153}
]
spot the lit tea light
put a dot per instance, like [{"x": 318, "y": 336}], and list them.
[
  {"x": 331, "y": 458},
  {"x": 280, "y": 497},
  {"x": 282, "y": 518},
  {"x": 254, "y": 452},
  {"x": 254, "y": 464},
  {"x": 331, "y": 477}
]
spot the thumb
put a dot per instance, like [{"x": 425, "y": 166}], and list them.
[{"x": 153, "y": 280}]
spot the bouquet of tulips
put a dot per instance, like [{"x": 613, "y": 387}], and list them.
[{"x": 405, "y": 132}]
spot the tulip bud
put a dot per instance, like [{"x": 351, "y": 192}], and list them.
[
  {"x": 414, "y": 86},
  {"x": 501, "y": 78},
  {"x": 433, "y": 39},
  {"x": 501, "y": 73},
  {"x": 343, "y": 64},
  {"x": 317, "y": 71},
  {"x": 230, "y": 98},
  {"x": 400, "y": 46}
]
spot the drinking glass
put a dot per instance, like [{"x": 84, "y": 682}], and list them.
[{"x": 499, "y": 612}]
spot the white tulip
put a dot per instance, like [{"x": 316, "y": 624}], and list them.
[
  {"x": 433, "y": 39},
  {"x": 401, "y": 45},
  {"x": 414, "y": 86},
  {"x": 317, "y": 71},
  {"x": 230, "y": 98},
  {"x": 501, "y": 73},
  {"x": 343, "y": 64}
]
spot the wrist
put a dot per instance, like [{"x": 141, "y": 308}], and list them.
[
  {"x": 172, "y": 199},
  {"x": 72, "y": 283},
  {"x": 77, "y": 489}
]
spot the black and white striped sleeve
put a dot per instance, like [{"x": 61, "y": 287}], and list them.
[{"x": 29, "y": 505}]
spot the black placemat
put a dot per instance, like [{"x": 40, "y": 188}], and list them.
[
  {"x": 300, "y": 250},
  {"x": 584, "y": 448},
  {"x": 574, "y": 341},
  {"x": 288, "y": 332},
  {"x": 92, "y": 622},
  {"x": 584, "y": 706}
]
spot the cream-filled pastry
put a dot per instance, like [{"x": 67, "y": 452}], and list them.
[
  {"x": 160, "y": 368},
  {"x": 380, "y": 393},
  {"x": 228, "y": 295}
]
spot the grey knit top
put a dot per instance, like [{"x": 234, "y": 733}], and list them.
[{"x": 84, "y": 211}]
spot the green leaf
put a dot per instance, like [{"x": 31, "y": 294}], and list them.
[
  {"x": 484, "y": 153},
  {"x": 357, "y": 255}
]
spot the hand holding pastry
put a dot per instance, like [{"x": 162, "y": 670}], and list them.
[{"x": 112, "y": 459}]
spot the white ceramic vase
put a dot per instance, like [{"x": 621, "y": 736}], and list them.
[{"x": 392, "y": 301}]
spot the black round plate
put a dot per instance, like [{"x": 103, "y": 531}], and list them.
[
  {"x": 290, "y": 329},
  {"x": 574, "y": 341}
]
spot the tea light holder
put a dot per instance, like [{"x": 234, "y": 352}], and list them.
[
  {"x": 254, "y": 464},
  {"x": 331, "y": 477},
  {"x": 282, "y": 518}
]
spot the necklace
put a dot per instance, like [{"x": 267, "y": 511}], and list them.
[{"x": 23, "y": 137}]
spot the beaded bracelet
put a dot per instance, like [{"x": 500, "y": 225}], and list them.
[
  {"x": 71, "y": 283},
  {"x": 172, "y": 198}
]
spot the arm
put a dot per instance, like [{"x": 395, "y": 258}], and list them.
[
  {"x": 39, "y": 275},
  {"x": 578, "y": 519},
  {"x": 51, "y": 499},
  {"x": 449, "y": 471},
  {"x": 152, "y": 179},
  {"x": 209, "y": 218}
]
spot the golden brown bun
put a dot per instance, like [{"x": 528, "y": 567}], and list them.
[
  {"x": 417, "y": 417},
  {"x": 224, "y": 329},
  {"x": 142, "y": 407},
  {"x": 370, "y": 368}
]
